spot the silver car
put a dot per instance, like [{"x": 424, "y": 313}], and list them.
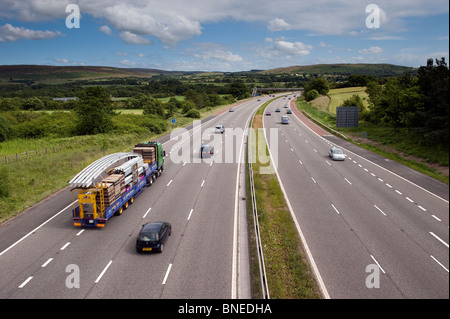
[{"x": 336, "y": 154}]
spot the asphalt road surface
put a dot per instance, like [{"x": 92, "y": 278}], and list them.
[
  {"x": 42, "y": 255},
  {"x": 375, "y": 229}
]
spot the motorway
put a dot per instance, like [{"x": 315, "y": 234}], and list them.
[
  {"x": 41, "y": 252},
  {"x": 371, "y": 232}
]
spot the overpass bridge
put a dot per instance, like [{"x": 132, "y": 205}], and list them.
[{"x": 260, "y": 90}]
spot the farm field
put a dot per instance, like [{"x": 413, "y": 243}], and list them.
[{"x": 338, "y": 96}]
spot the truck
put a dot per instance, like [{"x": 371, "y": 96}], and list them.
[
  {"x": 109, "y": 185},
  {"x": 284, "y": 119}
]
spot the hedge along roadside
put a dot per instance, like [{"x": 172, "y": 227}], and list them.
[{"x": 288, "y": 273}]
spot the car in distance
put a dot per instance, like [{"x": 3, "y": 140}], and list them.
[
  {"x": 336, "y": 154},
  {"x": 206, "y": 151},
  {"x": 231, "y": 110},
  {"x": 220, "y": 129},
  {"x": 268, "y": 113},
  {"x": 289, "y": 111},
  {"x": 277, "y": 110},
  {"x": 153, "y": 236}
]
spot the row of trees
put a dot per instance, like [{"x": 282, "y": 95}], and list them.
[
  {"x": 95, "y": 112},
  {"x": 418, "y": 103}
]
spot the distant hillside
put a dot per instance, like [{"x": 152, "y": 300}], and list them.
[
  {"x": 52, "y": 74},
  {"x": 29, "y": 74},
  {"x": 379, "y": 70}
]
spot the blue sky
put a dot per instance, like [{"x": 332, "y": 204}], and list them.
[{"x": 222, "y": 35}]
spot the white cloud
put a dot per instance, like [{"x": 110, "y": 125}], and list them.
[
  {"x": 106, "y": 30},
  {"x": 371, "y": 50},
  {"x": 278, "y": 25},
  {"x": 63, "y": 61},
  {"x": 282, "y": 48},
  {"x": 171, "y": 21},
  {"x": 126, "y": 62},
  {"x": 132, "y": 38},
  {"x": 11, "y": 33}
]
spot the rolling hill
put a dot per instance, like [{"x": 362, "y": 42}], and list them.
[{"x": 381, "y": 70}]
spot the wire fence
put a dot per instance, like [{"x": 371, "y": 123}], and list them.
[{"x": 7, "y": 159}]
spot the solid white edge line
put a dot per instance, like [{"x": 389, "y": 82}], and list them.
[
  {"x": 167, "y": 274},
  {"x": 234, "y": 275},
  {"x": 25, "y": 282},
  {"x": 31, "y": 232},
  {"x": 385, "y": 169},
  {"x": 44, "y": 223},
  {"x": 103, "y": 272},
  {"x": 297, "y": 225}
]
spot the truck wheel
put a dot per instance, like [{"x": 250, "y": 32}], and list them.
[
  {"x": 119, "y": 212},
  {"x": 131, "y": 200},
  {"x": 125, "y": 206}
]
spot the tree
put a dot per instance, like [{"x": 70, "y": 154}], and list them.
[
  {"x": 311, "y": 95},
  {"x": 153, "y": 106},
  {"x": 94, "y": 111},
  {"x": 33, "y": 103},
  {"x": 239, "y": 90},
  {"x": 198, "y": 97},
  {"x": 434, "y": 86},
  {"x": 320, "y": 84}
]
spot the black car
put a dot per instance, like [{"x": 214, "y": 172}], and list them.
[{"x": 153, "y": 236}]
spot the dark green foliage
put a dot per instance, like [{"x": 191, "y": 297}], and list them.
[
  {"x": 434, "y": 86},
  {"x": 94, "y": 111},
  {"x": 5, "y": 129},
  {"x": 311, "y": 95},
  {"x": 239, "y": 90},
  {"x": 193, "y": 113},
  {"x": 420, "y": 104},
  {"x": 320, "y": 84},
  {"x": 4, "y": 182},
  {"x": 133, "y": 123}
]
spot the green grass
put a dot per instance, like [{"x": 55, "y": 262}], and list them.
[
  {"x": 338, "y": 96},
  {"x": 289, "y": 275},
  {"x": 399, "y": 145},
  {"x": 30, "y": 181},
  {"x": 33, "y": 180}
]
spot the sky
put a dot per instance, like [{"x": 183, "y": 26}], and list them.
[{"x": 222, "y": 35}]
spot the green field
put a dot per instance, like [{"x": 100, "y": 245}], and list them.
[{"x": 338, "y": 96}]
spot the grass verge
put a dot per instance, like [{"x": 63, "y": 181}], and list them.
[
  {"x": 289, "y": 274},
  {"x": 25, "y": 183},
  {"x": 400, "y": 145}
]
